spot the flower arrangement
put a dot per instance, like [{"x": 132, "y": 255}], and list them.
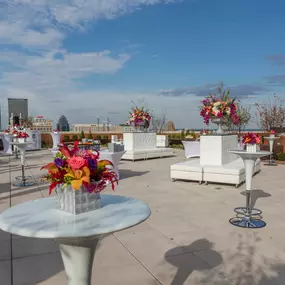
[
  {"x": 215, "y": 107},
  {"x": 139, "y": 116},
  {"x": 251, "y": 138},
  {"x": 22, "y": 135},
  {"x": 78, "y": 168},
  {"x": 56, "y": 131},
  {"x": 272, "y": 132}
]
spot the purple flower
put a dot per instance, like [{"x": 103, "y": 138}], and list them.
[
  {"x": 92, "y": 163},
  {"x": 59, "y": 162}
]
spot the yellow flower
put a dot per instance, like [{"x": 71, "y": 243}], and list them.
[{"x": 78, "y": 177}]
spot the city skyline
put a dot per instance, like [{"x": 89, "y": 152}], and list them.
[{"x": 93, "y": 59}]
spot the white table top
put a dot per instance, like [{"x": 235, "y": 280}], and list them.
[
  {"x": 271, "y": 138},
  {"x": 41, "y": 219},
  {"x": 251, "y": 155},
  {"x": 19, "y": 144}
]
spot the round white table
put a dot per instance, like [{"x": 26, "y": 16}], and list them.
[
  {"x": 191, "y": 148},
  {"x": 23, "y": 179},
  {"x": 55, "y": 141},
  {"x": 271, "y": 143},
  {"x": 114, "y": 157},
  {"x": 77, "y": 235},
  {"x": 248, "y": 217}
]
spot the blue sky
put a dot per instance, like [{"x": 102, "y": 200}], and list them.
[{"x": 91, "y": 58}]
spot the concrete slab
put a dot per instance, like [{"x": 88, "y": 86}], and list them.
[{"x": 187, "y": 239}]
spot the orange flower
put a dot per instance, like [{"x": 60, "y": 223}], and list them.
[{"x": 78, "y": 177}]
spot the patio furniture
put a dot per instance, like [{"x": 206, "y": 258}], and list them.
[
  {"x": 271, "y": 140},
  {"x": 191, "y": 148},
  {"x": 188, "y": 170},
  {"x": 142, "y": 145},
  {"x": 114, "y": 157},
  {"x": 162, "y": 141},
  {"x": 248, "y": 217},
  {"x": 77, "y": 235},
  {"x": 7, "y": 148},
  {"x": 55, "y": 141},
  {"x": 23, "y": 178}
]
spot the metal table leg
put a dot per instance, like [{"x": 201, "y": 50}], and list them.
[
  {"x": 23, "y": 179},
  {"x": 247, "y": 217}
]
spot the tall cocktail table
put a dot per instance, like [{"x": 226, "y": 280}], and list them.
[
  {"x": 77, "y": 235},
  {"x": 271, "y": 142},
  {"x": 248, "y": 217},
  {"x": 23, "y": 178}
]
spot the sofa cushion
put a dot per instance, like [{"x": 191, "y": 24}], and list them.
[{"x": 189, "y": 165}]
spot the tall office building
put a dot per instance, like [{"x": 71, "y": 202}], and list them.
[
  {"x": 63, "y": 124},
  {"x": 17, "y": 109}
]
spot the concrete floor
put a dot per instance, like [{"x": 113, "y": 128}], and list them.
[{"x": 187, "y": 240}]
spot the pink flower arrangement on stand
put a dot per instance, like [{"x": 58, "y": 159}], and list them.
[
  {"x": 213, "y": 107},
  {"x": 140, "y": 118}
]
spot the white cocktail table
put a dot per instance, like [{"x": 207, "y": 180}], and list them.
[
  {"x": 271, "y": 142},
  {"x": 23, "y": 179},
  {"x": 248, "y": 217},
  {"x": 114, "y": 157},
  {"x": 77, "y": 235}
]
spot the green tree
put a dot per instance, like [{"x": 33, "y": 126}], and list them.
[
  {"x": 82, "y": 135},
  {"x": 90, "y": 137}
]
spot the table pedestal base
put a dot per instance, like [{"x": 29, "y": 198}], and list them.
[
  {"x": 247, "y": 223},
  {"x": 23, "y": 179},
  {"x": 248, "y": 217},
  {"x": 78, "y": 255}
]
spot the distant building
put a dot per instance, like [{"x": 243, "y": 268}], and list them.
[
  {"x": 17, "y": 110},
  {"x": 40, "y": 123},
  {"x": 170, "y": 126},
  {"x": 93, "y": 128},
  {"x": 63, "y": 124}
]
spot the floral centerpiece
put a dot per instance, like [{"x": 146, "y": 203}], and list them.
[
  {"x": 140, "y": 117},
  {"x": 56, "y": 131},
  {"x": 22, "y": 137},
  {"x": 78, "y": 176},
  {"x": 219, "y": 109},
  {"x": 272, "y": 133},
  {"x": 252, "y": 142}
]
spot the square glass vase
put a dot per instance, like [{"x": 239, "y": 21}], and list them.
[
  {"x": 272, "y": 135},
  {"x": 22, "y": 140},
  {"x": 252, "y": 147},
  {"x": 77, "y": 201}
]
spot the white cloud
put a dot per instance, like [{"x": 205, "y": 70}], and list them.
[
  {"x": 20, "y": 34},
  {"x": 34, "y": 63},
  {"x": 47, "y": 75}
]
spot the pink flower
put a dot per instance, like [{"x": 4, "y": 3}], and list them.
[{"x": 76, "y": 162}]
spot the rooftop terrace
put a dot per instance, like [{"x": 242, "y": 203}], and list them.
[{"x": 186, "y": 241}]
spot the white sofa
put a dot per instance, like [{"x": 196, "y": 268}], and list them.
[
  {"x": 187, "y": 170},
  {"x": 142, "y": 145},
  {"x": 230, "y": 173}
]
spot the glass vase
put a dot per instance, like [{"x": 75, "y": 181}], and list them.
[
  {"x": 22, "y": 140},
  {"x": 252, "y": 147},
  {"x": 77, "y": 201}
]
